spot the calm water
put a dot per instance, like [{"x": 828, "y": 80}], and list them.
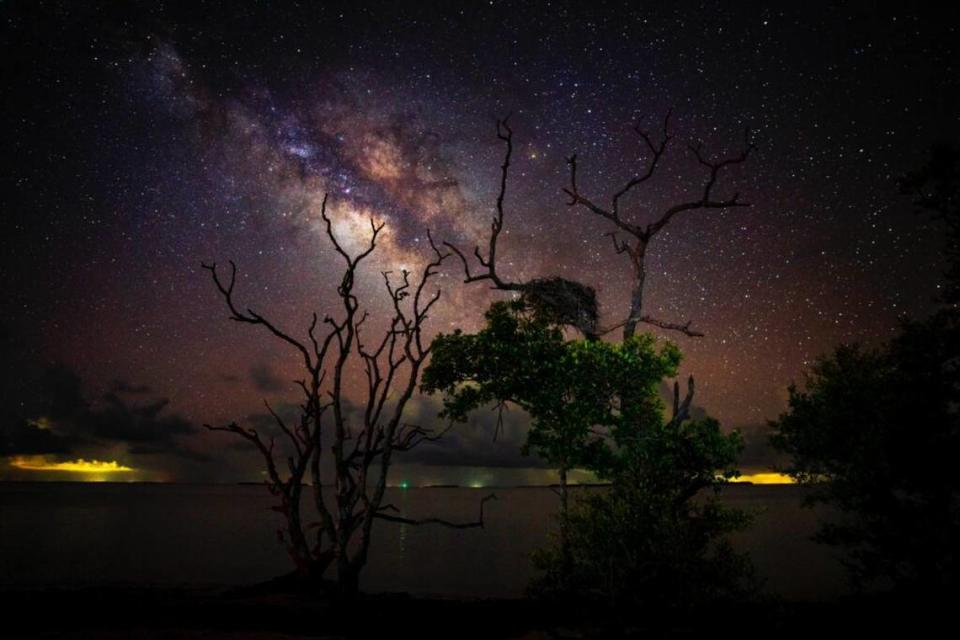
[{"x": 77, "y": 534}]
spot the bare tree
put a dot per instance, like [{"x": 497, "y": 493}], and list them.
[
  {"x": 573, "y": 303},
  {"x": 640, "y": 235},
  {"x": 361, "y": 449}
]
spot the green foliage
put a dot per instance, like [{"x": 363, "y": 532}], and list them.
[
  {"x": 571, "y": 389},
  {"x": 632, "y": 546},
  {"x": 875, "y": 433},
  {"x": 652, "y": 537},
  {"x": 836, "y": 426}
]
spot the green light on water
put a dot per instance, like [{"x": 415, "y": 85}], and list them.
[{"x": 404, "y": 484}]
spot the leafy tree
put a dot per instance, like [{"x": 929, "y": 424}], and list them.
[
  {"x": 654, "y": 538},
  {"x": 649, "y": 538},
  {"x": 571, "y": 389},
  {"x": 633, "y": 545},
  {"x": 876, "y": 431}
]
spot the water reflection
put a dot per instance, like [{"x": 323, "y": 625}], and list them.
[{"x": 74, "y": 534}]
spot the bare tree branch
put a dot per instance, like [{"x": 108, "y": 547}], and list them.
[
  {"x": 642, "y": 235},
  {"x": 361, "y": 447},
  {"x": 681, "y": 409},
  {"x": 284, "y": 428},
  {"x": 251, "y": 317},
  {"x": 504, "y": 133},
  {"x": 683, "y": 328},
  {"x": 706, "y": 201},
  {"x": 478, "y": 523}
]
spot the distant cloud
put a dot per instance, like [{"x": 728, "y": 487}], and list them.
[
  {"x": 758, "y": 455},
  {"x": 265, "y": 380},
  {"x": 60, "y": 420},
  {"x": 122, "y": 386},
  {"x": 472, "y": 443},
  {"x": 26, "y": 437},
  {"x": 116, "y": 419}
]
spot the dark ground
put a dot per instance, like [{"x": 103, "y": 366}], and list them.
[{"x": 272, "y": 611}]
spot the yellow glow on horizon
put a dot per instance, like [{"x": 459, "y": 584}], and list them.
[
  {"x": 39, "y": 463},
  {"x": 765, "y": 478}
]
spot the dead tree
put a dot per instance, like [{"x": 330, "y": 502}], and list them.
[
  {"x": 640, "y": 235},
  {"x": 567, "y": 302},
  {"x": 572, "y": 303},
  {"x": 360, "y": 449}
]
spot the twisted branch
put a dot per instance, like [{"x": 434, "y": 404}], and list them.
[
  {"x": 478, "y": 523},
  {"x": 504, "y": 133},
  {"x": 643, "y": 234}
]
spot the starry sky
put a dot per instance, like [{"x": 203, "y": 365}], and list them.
[{"x": 142, "y": 139}]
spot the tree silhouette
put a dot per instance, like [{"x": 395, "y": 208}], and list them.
[
  {"x": 875, "y": 432},
  {"x": 360, "y": 454}
]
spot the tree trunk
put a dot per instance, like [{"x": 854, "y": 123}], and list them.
[
  {"x": 636, "y": 296},
  {"x": 297, "y": 547}
]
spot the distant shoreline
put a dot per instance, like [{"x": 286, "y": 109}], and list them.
[{"x": 407, "y": 488}]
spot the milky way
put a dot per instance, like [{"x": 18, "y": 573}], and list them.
[{"x": 144, "y": 141}]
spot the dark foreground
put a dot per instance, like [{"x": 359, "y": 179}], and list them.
[
  {"x": 272, "y": 611},
  {"x": 84, "y": 534}
]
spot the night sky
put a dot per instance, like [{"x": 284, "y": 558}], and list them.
[{"x": 140, "y": 140}]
